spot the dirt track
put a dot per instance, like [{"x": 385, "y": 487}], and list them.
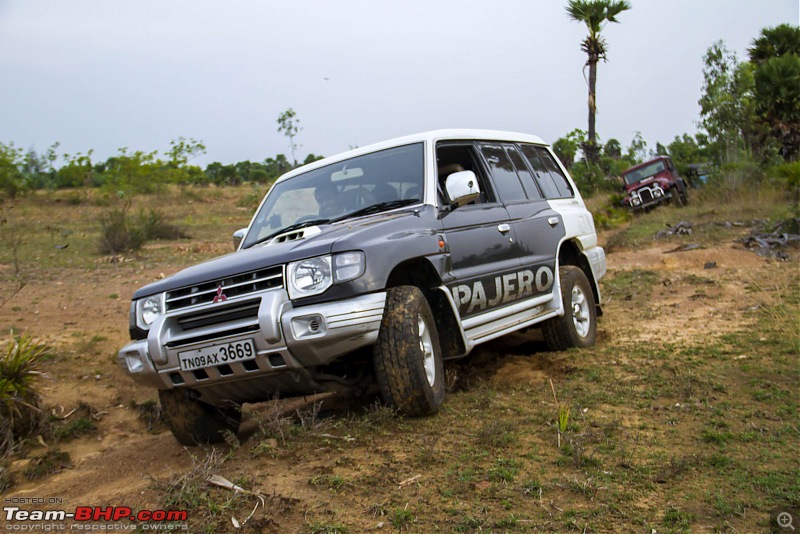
[{"x": 84, "y": 316}]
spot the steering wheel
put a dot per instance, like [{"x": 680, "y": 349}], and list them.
[{"x": 356, "y": 199}]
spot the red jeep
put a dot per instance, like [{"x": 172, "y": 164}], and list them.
[{"x": 653, "y": 182}]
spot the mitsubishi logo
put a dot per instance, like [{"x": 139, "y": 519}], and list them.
[{"x": 220, "y": 295}]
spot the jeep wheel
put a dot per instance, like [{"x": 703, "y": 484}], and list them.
[
  {"x": 195, "y": 423},
  {"x": 407, "y": 357},
  {"x": 578, "y": 326},
  {"x": 678, "y": 199}
]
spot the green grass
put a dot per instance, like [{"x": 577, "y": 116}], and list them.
[
  {"x": 667, "y": 434},
  {"x": 20, "y": 415},
  {"x": 76, "y": 427}
]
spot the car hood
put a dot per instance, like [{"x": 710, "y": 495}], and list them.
[
  {"x": 646, "y": 181},
  {"x": 347, "y": 233}
]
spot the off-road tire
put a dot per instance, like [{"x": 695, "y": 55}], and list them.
[
  {"x": 678, "y": 199},
  {"x": 196, "y": 423},
  {"x": 562, "y": 333},
  {"x": 407, "y": 335}
]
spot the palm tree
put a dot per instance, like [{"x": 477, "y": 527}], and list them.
[{"x": 595, "y": 14}]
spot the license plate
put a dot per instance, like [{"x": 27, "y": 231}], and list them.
[{"x": 236, "y": 351}]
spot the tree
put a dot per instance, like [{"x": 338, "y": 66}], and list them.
[
  {"x": 686, "y": 150},
  {"x": 311, "y": 158},
  {"x": 777, "y": 96},
  {"x": 595, "y": 14},
  {"x": 613, "y": 149},
  {"x": 567, "y": 147},
  {"x": 637, "y": 151},
  {"x": 776, "y": 86},
  {"x": 181, "y": 151},
  {"x": 775, "y": 42},
  {"x": 727, "y": 109},
  {"x": 289, "y": 125},
  {"x": 78, "y": 172},
  {"x": 38, "y": 170},
  {"x": 11, "y": 159}
]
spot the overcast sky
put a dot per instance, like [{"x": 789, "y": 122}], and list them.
[{"x": 108, "y": 74}]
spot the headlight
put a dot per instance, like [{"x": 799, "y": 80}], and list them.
[
  {"x": 657, "y": 192},
  {"x": 309, "y": 277},
  {"x": 313, "y": 276},
  {"x": 348, "y": 266},
  {"x": 147, "y": 310},
  {"x": 635, "y": 201}
]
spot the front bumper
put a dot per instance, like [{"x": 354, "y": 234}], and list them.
[
  {"x": 290, "y": 342},
  {"x": 649, "y": 200}
]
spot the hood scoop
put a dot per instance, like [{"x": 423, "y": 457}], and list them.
[{"x": 295, "y": 235}]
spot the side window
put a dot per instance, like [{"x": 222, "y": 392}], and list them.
[
  {"x": 541, "y": 171},
  {"x": 562, "y": 184},
  {"x": 457, "y": 157},
  {"x": 503, "y": 174},
  {"x": 524, "y": 174}
]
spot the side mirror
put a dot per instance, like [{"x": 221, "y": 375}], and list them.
[
  {"x": 238, "y": 235},
  {"x": 462, "y": 187}
]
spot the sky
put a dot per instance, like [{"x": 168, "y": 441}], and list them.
[{"x": 101, "y": 75}]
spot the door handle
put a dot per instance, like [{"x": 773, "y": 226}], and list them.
[
  {"x": 552, "y": 221},
  {"x": 503, "y": 228}
]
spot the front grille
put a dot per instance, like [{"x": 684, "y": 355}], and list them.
[
  {"x": 221, "y": 314},
  {"x": 227, "y": 288},
  {"x": 646, "y": 195}
]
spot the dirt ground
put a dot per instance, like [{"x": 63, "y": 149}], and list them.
[{"x": 83, "y": 315}]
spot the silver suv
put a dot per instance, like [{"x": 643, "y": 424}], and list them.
[{"x": 370, "y": 268}]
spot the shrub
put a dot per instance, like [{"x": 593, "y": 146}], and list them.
[
  {"x": 118, "y": 233},
  {"x": 10, "y": 176},
  {"x": 20, "y": 416},
  {"x": 612, "y": 213},
  {"x": 154, "y": 226},
  {"x": 788, "y": 176},
  {"x": 121, "y": 232}
]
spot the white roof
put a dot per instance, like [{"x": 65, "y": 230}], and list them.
[{"x": 431, "y": 136}]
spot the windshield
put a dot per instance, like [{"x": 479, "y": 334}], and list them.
[
  {"x": 645, "y": 172},
  {"x": 337, "y": 190}
]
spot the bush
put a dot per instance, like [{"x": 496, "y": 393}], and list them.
[
  {"x": 612, "y": 213},
  {"x": 121, "y": 232},
  {"x": 154, "y": 226},
  {"x": 733, "y": 178},
  {"x": 10, "y": 176},
  {"x": 788, "y": 176},
  {"x": 20, "y": 416}
]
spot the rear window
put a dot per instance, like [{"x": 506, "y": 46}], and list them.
[
  {"x": 504, "y": 175},
  {"x": 551, "y": 179}
]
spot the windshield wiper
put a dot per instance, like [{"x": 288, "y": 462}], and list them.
[
  {"x": 375, "y": 208},
  {"x": 289, "y": 228}
]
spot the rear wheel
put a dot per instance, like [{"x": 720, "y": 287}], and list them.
[
  {"x": 578, "y": 326},
  {"x": 678, "y": 198},
  {"x": 407, "y": 355},
  {"x": 196, "y": 423}
]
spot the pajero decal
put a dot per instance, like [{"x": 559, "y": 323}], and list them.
[{"x": 488, "y": 293}]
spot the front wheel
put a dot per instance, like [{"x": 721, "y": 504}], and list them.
[
  {"x": 196, "y": 423},
  {"x": 578, "y": 326},
  {"x": 407, "y": 356}
]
